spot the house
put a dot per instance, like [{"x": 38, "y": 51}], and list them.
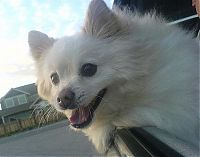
[{"x": 16, "y": 103}]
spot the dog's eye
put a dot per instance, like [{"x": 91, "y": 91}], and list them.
[
  {"x": 55, "y": 78},
  {"x": 88, "y": 69}
]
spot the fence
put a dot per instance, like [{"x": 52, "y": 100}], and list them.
[{"x": 21, "y": 125}]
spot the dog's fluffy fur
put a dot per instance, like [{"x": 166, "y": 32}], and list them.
[{"x": 150, "y": 71}]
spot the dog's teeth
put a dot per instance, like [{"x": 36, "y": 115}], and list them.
[{"x": 68, "y": 113}]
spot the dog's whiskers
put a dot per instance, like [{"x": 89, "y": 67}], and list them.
[
  {"x": 42, "y": 119},
  {"x": 51, "y": 111}
]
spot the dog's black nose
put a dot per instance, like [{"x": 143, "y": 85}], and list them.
[{"x": 66, "y": 99}]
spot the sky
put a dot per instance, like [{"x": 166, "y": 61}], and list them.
[{"x": 17, "y": 17}]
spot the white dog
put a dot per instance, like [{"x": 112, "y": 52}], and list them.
[{"x": 121, "y": 70}]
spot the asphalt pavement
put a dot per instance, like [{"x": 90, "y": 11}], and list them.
[{"x": 52, "y": 140}]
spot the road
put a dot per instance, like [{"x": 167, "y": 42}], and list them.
[{"x": 52, "y": 140}]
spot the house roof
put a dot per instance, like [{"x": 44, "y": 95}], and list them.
[
  {"x": 30, "y": 88},
  {"x": 26, "y": 89}
]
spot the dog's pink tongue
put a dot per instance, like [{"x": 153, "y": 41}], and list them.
[{"x": 79, "y": 115}]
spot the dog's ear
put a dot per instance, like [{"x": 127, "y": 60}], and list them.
[
  {"x": 39, "y": 43},
  {"x": 100, "y": 21}
]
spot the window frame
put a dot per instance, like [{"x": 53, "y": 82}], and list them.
[
  {"x": 19, "y": 101},
  {"x": 6, "y": 102}
]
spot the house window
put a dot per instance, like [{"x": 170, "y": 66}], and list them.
[
  {"x": 9, "y": 102},
  {"x": 22, "y": 99}
]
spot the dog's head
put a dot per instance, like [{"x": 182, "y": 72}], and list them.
[{"x": 76, "y": 73}]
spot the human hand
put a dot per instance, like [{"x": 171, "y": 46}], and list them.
[{"x": 196, "y": 4}]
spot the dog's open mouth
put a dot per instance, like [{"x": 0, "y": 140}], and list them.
[{"x": 82, "y": 116}]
